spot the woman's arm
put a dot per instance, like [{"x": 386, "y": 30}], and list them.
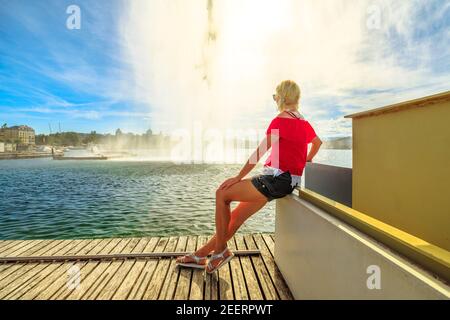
[
  {"x": 316, "y": 143},
  {"x": 263, "y": 147}
]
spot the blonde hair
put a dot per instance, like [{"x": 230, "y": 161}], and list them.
[{"x": 289, "y": 93}]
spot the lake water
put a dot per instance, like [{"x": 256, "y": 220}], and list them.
[{"x": 47, "y": 199}]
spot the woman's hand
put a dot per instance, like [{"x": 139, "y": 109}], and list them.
[
  {"x": 316, "y": 143},
  {"x": 229, "y": 182}
]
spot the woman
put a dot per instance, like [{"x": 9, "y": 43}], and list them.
[{"x": 288, "y": 134}]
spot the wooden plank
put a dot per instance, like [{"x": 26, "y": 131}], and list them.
[
  {"x": 107, "y": 273},
  {"x": 239, "y": 285},
  {"x": 211, "y": 284},
  {"x": 49, "y": 248},
  {"x": 225, "y": 282},
  {"x": 265, "y": 281},
  {"x": 15, "y": 245},
  {"x": 15, "y": 278},
  {"x": 108, "y": 291},
  {"x": 184, "y": 280},
  {"x": 22, "y": 247},
  {"x": 82, "y": 245},
  {"x": 92, "y": 273},
  {"x": 170, "y": 285},
  {"x": 38, "y": 275},
  {"x": 12, "y": 244},
  {"x": 270, "y": 241},
  {"x": 156, "y": 244},
  {"x": 13, "y": 273},
  {"x": 29, "y": 279},
  {"x": 251, "y": 279},
  {"x": 103, "y": 257},
  {"x": 6, "y": 245},
  {"x": 277, "y": 278},
  {"x": 198, "y": 276},
  {"x": 60, "y": 287},
  {"x": 86, "y": 246},
  {"x": 7, "y": 269},
  {"x": 125, "y": 288},
  {"x": 85, "y": 267},
  {"x": 39, "y": 249},
  {"x": 20, "y": 289},
  {"x": 16, "y": 272},
  {"x": 138, "y": 290},
  {"x": 57, "y": 279},
  {"x": 36, "y": 247},
  {"x": 154, "y": 287},
  {"x": 254, "y": 277}
]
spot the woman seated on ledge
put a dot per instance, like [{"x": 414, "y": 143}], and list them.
[{"x": 289, "y": 135}]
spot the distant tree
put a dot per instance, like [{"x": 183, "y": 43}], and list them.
[
  {"x": 40, "y": 139},
  {"x": 4, "y": 126},
  {"x": 118, "y": 132},
  {"x": 70, "y": 139},
  {"x": 149, "y": 132},
  {"x": 93, "y": 137}
]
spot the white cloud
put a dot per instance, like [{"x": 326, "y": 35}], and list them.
[
  {"x": 334, "y": 127},
  {"x": 79, "y": 62}
]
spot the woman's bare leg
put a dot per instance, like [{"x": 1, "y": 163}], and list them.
[
  {"x": 239, "y": 215},
  {"x": 223, "y": 217},
  {"x": 243, "y": 191},
  {"x": 251, "y": 201}
]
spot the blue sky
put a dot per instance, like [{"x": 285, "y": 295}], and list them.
[
  {"x": 52, "y": 75},
  {"x": 93, "y": 79}
]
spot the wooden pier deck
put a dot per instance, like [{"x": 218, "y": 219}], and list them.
[{"x": 252, "y": 277}]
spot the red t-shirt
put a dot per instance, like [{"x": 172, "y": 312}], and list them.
[{"x": 292, "y": 146}]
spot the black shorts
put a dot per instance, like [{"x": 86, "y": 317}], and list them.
[{"x": 273, "y": 187}]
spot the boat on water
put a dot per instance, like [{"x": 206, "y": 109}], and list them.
[
  {"x": 77, "y": 148},
  {"x": 62, "y": 157}
]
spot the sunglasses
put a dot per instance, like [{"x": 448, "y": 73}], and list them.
[{"x": 274, "y": 96}]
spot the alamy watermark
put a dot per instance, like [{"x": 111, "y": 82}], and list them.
[
  {"x": 222, "y": 146},
  {"x": 73, "y": 277},
  {"x": 73, "y": 21},
  {"x": 374, "y": 280},
  {"x": 373, "y": 21}
]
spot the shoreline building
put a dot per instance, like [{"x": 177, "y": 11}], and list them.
[{"x": 22, "y": 133}]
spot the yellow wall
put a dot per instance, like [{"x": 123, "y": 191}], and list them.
[{"x": 401, "y": 169}]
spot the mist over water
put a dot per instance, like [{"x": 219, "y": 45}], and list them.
[{"x": 215, "y": 64}]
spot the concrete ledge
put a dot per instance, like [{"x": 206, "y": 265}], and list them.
[
  {"x": 322, "y": 257},
  {"x": 431, "y": 257}
]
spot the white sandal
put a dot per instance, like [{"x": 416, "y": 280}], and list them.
[
  {"x": 195, "y": 264},
  {"x": 211, "y": 268}
]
